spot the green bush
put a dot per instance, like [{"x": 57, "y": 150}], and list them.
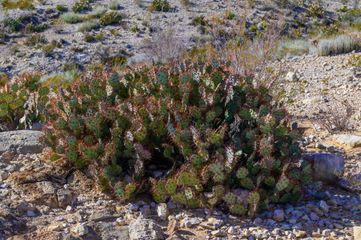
[
  {"x": 199, "y": 21},
  {"x": 21, "y": 102},
  {"x": 89, "y": 38},
  {"x": 316, "y": 10},
  {"x": 61, "y": 8},
  {"x": 355, "y": 61},
  {"x": 209, "y": 132},
  {"x": 12, "y": 24},
  {"x": 81, "y": 6},
  {"x": 36, "y": 28},
  {"x": 110, "y": 18},
  {"x": 160, "y": 6},
  {"x": 338, "y": 45},
  {"x": 35, "y": 40},
  {"x": 17, "y": 4}
]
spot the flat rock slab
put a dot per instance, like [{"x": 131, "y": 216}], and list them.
[
  {"x": 21, "y": 142},
  {"x": 349, "y": 140}
]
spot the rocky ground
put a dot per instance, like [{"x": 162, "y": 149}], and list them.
[
  {"x": 39, "y": 200},
  {"x": 317, "y": 85},
  {"x": 132, "y": 35}
]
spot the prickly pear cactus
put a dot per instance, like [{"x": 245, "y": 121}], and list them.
[{"x": 193, "y": 133}]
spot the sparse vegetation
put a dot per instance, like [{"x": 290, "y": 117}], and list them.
[
  {"x": 355, "y": 61},
  {"x": 338, "y": 45},
  {"x": 36, "y": 28},
  {"x": 114, "y": 5},
  {"x": 12, "y": 24},
  {"x": 89, "y": 38},
  {"x": 21, "y": 102},
  {"x": 110, "y": 18},
  {"x": 160, "y": 6},
  {"x": 316, "y": 9},
  {"x": 88, "y": 26},
  {"x": 337, "y": 118},
  {"x": 71, "y": 18},
  {"x": 294, "y": 47},
  {"x": 81, "y": 6},
  {"x": 35, "y": 39},
  {"x": 17, "y": 4},
  {"x": 61, "y": 8}
]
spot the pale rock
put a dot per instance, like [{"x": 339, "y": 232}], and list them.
[
  {"x": 349, "y": 140},
  {"x": 232, "y": 230},
  {"x": 323, "y": 205},
  {"x": 162, "y": 211},
  {"x": 357, "y": 232},
  {"x": 80, "y": 229},
  {"x": 292, "y": 76},
  {"x": 326, "y": 233}
]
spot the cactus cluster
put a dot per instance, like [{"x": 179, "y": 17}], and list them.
[
  {"x": 212, "y": 137},
  {"x": 21, "y": 102}
]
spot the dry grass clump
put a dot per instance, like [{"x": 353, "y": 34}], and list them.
[
  {"x": 338, "y": 45},
  {"x": 337, "y": 117},
  {"x": 164, "y": 46}
]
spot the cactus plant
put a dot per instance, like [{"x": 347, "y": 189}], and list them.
[{"x": 207, "y": 136}]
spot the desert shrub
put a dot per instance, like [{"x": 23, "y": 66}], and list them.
[
  {"x": 12, "y": 24},
  {"x": 88, "y": 26},
  {"x": 71, "y": 18},
  {"x": 35, "y": 39},
  {"x": 81, "y": 6},
  {"x": 49, "y": 48},
  {"x": 338, "y": 45},
  {"x": 61, "y": 8},
  {"x": 3, "y": 38},
  {"x": 160, "y": 6},
  {"x": 316, "y": 10},
  {"x": 97, "y": 12},
  {"x": 199, "y": 21},
  {"x": 294, "y": 47},
  {"x": 230, "y": 15},
  {"x": 36, "y": 28},
  {"x": 337, "y": 117},
  {"x": 356, "y": 24},
  {"x": 164, "y": 46},
  {"x": 89, "y": 38},
  {"x": 214, "y": 137},
  {"x": 110, "y": 18},
  {"x": 355, "y": 61},
  {"x": 99, "y": 36},
  {"x": 17, "y": 4},
  {"x": 21, "y": 102},
  {"x": 114, "y": 5}
]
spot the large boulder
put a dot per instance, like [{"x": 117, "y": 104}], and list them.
[
  {"x": 327, "y": 167},
  {"x": 21, "y": 142}
]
